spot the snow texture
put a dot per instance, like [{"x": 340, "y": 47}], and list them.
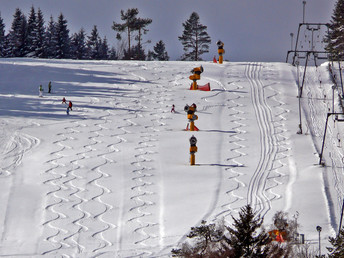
[{"x": 113, "y": 179}]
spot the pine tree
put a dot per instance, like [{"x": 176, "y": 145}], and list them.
[
  {"x": 159, "y": 52},
  {"x": 208, "y": 242},
  {"x": 104, "y": 49},
  {"x": 78, "y": 45},
  {"x": 93, "y": 44},
  {"x": 2, "y": 38},
  {"x": 17, "y": 35},
  {"x": 50, "y": 39},
  {"x": 195, "y": 39},
  {"x": 129, "y": 25},
  {"x": 113, "y": 54},
  {"x": 62, "y": 38},
  {"x": 39, "y": 40},
  {"x": 337, "y": 249},
  {"x": 335, "y": 36},
  {"x": 31, "y": 33},
  {"x": 244, "y": 237},
  {"x": 141, "y": 25}
]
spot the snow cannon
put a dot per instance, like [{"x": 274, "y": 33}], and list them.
[
  {"x": 190, "y": 110},
  {"x": 193, "y": 149},
  {"x": 220, "y": 50},
  {"x": 196, "y": 75}
]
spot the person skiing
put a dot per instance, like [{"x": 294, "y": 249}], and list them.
[
  {"x": 40, "y": 90},
  {"x": 67, "y": 110},
  {"x": 49, "y": 87},
  {"x": 64, "y": 100},
  {"x": 172, "y": 110},
  {"x": 70, "y": 105}
]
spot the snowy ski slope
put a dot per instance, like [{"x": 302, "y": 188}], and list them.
[{"x": 113, "y": 178}]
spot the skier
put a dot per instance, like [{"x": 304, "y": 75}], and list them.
[
  {"x": 172, "y": 110},
  {"x": 49, "y": 86},
  {"x": 64, "y": 100},
  {"x": 67, "y": 110},
  {"x": 70, "y": 105},
  {"x": 40, "y": 90}
]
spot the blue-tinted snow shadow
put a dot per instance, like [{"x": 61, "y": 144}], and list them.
[
  {"x": 217, "y": 131},
  {"x": 20, "y": 81},
  {"x": 234, "y": 91},
  {"x": 220, "y": 165}
]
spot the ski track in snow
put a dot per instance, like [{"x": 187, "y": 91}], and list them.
[
  {"x": 229, "y": 174},
  {"x": 259, "y": 184},
  {"x": 13, "y": 153},
  {"x": 69, "y": 207},
  {"x": 318, "y": 100},
  {"x": 274, "y": 148},
  {"x": 84, "y": 215}
]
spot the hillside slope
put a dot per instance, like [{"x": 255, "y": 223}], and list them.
[{"x": 113, "y": 178}]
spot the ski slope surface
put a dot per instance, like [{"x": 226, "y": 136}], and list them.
[{"x": 113, "y": 178}]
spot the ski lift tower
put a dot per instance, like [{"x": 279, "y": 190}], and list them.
[{"x": 302, "y": 51}]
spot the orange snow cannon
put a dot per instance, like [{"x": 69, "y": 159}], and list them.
[
  {"x": 196, "y": 75},
  {"x": 190, "y": 110},
  {"x": 220, "y": 50},
  {"x": 193, "y": 150}
]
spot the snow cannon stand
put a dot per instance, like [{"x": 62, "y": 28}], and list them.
[
  {"x": 220, "y": 50},
  {"x": 190, "y": 110},
  {"x": 193, "y": 150},
  {"x": 196, "y": 75},
  {"x": 205, "y": 87}
]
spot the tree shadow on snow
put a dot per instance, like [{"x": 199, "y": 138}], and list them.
[
  {"x": 220, "y": 165},
  {"x": 20, "y": 80}
]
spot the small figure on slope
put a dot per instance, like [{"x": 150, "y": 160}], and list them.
[
  {"x": 70, "y": 105},
  {"x": 64, "y": 100},
  {"x": 40, "y": 90},
  {"x": 173, "y": 110},
  {"x": 49, "y": 87}
]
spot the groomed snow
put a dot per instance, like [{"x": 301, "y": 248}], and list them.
[{"x": 113, "y": 178}]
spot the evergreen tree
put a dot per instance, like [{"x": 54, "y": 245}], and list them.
[
  {"x": 93, "y": 44},
  {"x": 195, "y": 39},
  {"x": 104, "y": 49},
  {"x": 78, "y": 45},
  {"x": 337, "y": 249},
  {"x": 17, "y": 35},
  {"x": 50, "y": 39},
  {"x": 113, "y": 54},
  {"x": 159, "y": 52},
  {"x": 74, "y": 46},
  {"x": 150, "y": 55},
  {"x": 62, "y": 38},
  {"x": 31, "y": 33},
  {"x": 141, "y": 25},
  {"x": 39, "y": 39},
  {"x": 335, "y": 36},
  {"x": 208, "y": 242},
  {"x": 138, "y": 53},
  {"x": 244, "y": 238},
  {"x": 129, "y": 25},
  {"x": 288, "y": 227},
  {"x": 2, "y": 38}
]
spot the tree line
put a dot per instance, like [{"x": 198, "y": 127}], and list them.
[
  {"x": 335, "y": 38},
  {"x": 32, "y": 37},
  {"x": 248, "y": 237}
]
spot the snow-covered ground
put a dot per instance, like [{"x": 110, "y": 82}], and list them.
[{"x": 113, "y": 178}]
